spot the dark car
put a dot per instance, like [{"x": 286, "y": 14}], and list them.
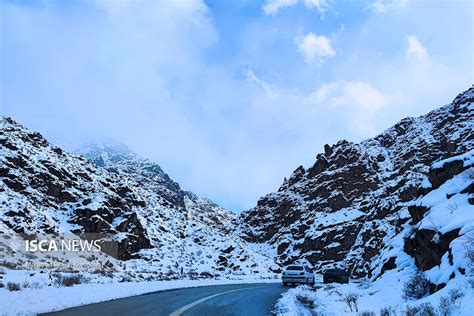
[{"x": 335, "y": 275}]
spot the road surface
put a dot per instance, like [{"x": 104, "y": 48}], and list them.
[{"x": 239, "y": 299}]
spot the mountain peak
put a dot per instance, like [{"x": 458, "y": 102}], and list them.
[
  {"x": 103, "y": 151},
  {"x": 465, "y": 97}
]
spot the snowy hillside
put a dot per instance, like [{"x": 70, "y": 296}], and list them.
[
  {"x": 339, "y": 211},
  {"x": 436, "y": 240},
  {"x": 150, "y": 227}
]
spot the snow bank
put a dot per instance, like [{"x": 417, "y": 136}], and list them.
[
  {"x": 48, "y": 299},
  {"x": 384, "y": 294}
]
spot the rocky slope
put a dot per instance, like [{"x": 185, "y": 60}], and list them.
[
  {"x": 338, "y": 212},
  {"x": 437, "y": 239},
  {"x": 146, "y": 222}
]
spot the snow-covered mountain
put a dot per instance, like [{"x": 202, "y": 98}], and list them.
[
  {"x": 347, "y": 209},
  {"x": 147, "y": 222},
  {"x": 343, "y": 210}
]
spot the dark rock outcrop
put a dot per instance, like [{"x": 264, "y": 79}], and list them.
[
  {"x": 428, "y": 247},
  {"x": 438, "y": 176},
  {"x": 417, "y": 212}
]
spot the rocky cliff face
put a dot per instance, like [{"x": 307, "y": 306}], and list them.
[
  {"x": 439, "y": 228},
  {"x": 339, "y": 211},
  {"x": 139, "y": 213}
]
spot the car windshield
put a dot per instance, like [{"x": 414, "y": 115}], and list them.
[{"x": 295, "y": 268}]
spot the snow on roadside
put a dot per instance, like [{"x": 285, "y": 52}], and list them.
[
  {"x": 371, "y": 299},
  {"x": 290, "y": 305},
  {"x": 48, "y": 299}
]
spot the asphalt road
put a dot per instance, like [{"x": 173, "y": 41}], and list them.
[{"x": 241, "y": 299}]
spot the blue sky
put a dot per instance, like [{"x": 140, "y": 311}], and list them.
[{"x": 229, "y": 97}]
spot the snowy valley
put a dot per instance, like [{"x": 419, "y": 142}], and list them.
[
  {"x": 150, "y": 228},
  {"x": 385, "y": 210}
]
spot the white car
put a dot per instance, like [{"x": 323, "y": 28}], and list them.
[{"x": 297, "y": 274}]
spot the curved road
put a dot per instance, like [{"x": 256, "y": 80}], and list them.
[{"x": 238, "y": 299}]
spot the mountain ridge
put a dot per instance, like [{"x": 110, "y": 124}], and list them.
[
  {"x": 320, "y": 213},
  {"x": 142, "y": 216}
]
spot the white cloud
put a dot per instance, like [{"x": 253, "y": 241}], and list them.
[
  {"x": 271, "y": 7},
  {"x": 416, "y": 49},
  {"x": 323, "y": 92},
  {"x": 315, "y": 48},
  {"x": 320, "y": 5},
  {"x": 360, "y": 100},
  {"x": 361, "y": 95},
  {"x": 270, "y": 90},
  {"x": 385, "y": 6}
]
